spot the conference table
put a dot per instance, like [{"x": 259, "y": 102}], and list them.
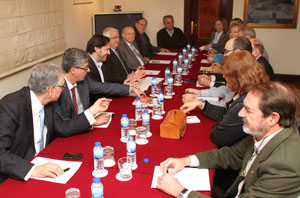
[{"x": 196, "y": 139}]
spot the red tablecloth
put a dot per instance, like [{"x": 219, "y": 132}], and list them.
[{"x": 158, "y": 149}]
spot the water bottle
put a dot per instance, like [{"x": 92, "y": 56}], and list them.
[
  {"x": 180, "y": 59},
  {"x": 131, "y": 152},
  {"x": 124, "y": 128},
  {"x": 186, "y": 67},
  {"x": 167, "y": 73},
  {"x": 188, "y": 47},
  {"x": 138, "y": 109},
  {"x": 174, "y": 66},
  {"x": 97, "y": 188},
  {"x": 171, "y": 82},
  {"x": 178, "y": 76},
  {"x": 153, "y": 86},
  {"x": 160, "y": 100},
  {"x": 184, "y": 52},
  {"x": 146, "y": 122},
  {"x": 98, "y": 158},
  {"x": 193, "y": 51}
]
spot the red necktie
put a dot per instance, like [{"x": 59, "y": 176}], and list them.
[{"x": 74, "y": 100}]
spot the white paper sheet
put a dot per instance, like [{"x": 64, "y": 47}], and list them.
[
  {"x": 192, "y": 119},
  {"x": 191, "y": 178},
  {"x": 168, "y": 53},
  {"x": 160, "y": 61},
  {"x": 64, "y": 178},
  {"x": 107, "y": 124},
  {"x": 151, "y": 72},
  {"x": 204, "y": 61},
  {"x": 146, "y": 82}
]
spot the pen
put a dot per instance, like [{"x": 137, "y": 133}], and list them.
[{"x": 66, "y": 169}]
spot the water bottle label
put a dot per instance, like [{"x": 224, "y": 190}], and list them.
[
  {"x": 97, "y": 193},
  {"x": 154, "y": 83},
  {"x": 124, "y": 123},
  {"x": 170, "y": 81},
  {"x": 180, "y": 57},
  {"x": 138, "y": 105},
  {"x": 167, "y": 72},
  {"x": 179, "y": 70},
  {"x": 146, "y": 118},
  {"x": 186, "y": 61},
  {"x": 131, "y": 147},
  {"x": 175, "y": 63},
  {"x": 98, "y": 155}
]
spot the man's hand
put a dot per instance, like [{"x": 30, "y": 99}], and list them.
[
  {"x": 189, "y": 106},
  {"x": 206, "y": 47},
  {"x": 140, "y": 68},
  {"x": 47, "y": 170},
  {"x": 204, "y": 80},
  {"x": 137, "y": 91},
  {"x": 188, "y": 97},
  {"x": 100, "y": 105},
  {"x": 176, "y": 164},
  {"x": 164, "y": 50},
  {"x": 103, "y": 118},
  {"x": 146, "y": 59},
  {"x": 217, "y": 68},
  {"x": 169, "y": 185}
]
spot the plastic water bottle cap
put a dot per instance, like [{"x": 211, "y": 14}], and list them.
[
  {"x": 146, "y": 111},
  {"x": 160, "y": 92},
  {"x": 154, "y": 77},
  {"x": 167, "y": 68},
  {"x": 170, "y": 76},
  {"x": 97, "y": 143},
  {"x": 96, "y": 180},
  {"x": 124, "y": 115},
  {"x": 146, "y": 160},
  {"x": 138, "y": 98}
]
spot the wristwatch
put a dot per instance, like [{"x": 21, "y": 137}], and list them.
[{"x": 180, "y": 195}]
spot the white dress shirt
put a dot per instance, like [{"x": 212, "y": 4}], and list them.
[{"x": 99, "y": 67}]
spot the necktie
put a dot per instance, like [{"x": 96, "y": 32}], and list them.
[
  {"x": 42, "y": 119},
  {"x": 74, "y": 100},
  {"x": 137, "y": 53}
]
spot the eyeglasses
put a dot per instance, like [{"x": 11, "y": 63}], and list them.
[
  {"x": 83, "y": 68},
  {"x": 227, "y": 51},
  {"x": 61, "y": 86}
]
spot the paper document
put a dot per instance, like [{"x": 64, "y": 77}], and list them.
[
  {"x": 204, "y": 61},
  {"x": 192, "y": 119},
  {"x": 64, "y": 178},
  {"x": 151, "y": 72},
  {"x": 160, "y": 61},
  {"x": 146, "y": 82},
  {"x": 107, "y": 124},
  {"x": 167, "y": 53},
  {"x": 190, "y": 178}
]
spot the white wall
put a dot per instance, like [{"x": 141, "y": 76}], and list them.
[
  {"x": 154, "y": 10},
  {"x": 283, "y": 45}
]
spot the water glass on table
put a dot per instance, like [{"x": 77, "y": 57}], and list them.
[
  {"x": 125, "y": 173},
  {"x": 141, "y": 135},
  {"x": 108, "y": 156},
  {"x": 72, "y": 193}
]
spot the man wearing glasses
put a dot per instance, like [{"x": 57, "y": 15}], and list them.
[
  {"x": 76, "y": 97},
  {"x": 29, "y": 122}
]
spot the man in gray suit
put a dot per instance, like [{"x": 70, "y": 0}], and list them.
[
  {"x": 76, "y": 97},
  {"x": 269, "y": 161},
  {"x": 129, "y": 49}
]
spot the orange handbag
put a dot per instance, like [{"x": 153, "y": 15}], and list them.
[{"x": 174, "y": 125}]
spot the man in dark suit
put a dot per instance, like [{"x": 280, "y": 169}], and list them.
[
  {"x": 116, "y": 70},
  {"x": 258, "y": 50},
  {"x": 129, "y": 50},
  {"x": 269, "y": 162},
  {"x": 170, "y": 37},
  {"x": 143, "y": 41},
  {"x": 76, "y": 97},
  {"x": 29, "y": 122}
]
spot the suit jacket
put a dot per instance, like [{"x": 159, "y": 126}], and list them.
[
  {"x": 219, "y": 47},
  {"x": 16, "y": 132},
  {"x": 146, "y": 49},
  {"x": 128, "y": 56},
  {"x": 268, "y": 68},
  {"x": 85, "y": 88},
  {"x": 94, "y": 72},
  {"x": 274, "y": 173},
  {"x": 177, "y": 41},
  {"x": 115, "y": 71}
]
